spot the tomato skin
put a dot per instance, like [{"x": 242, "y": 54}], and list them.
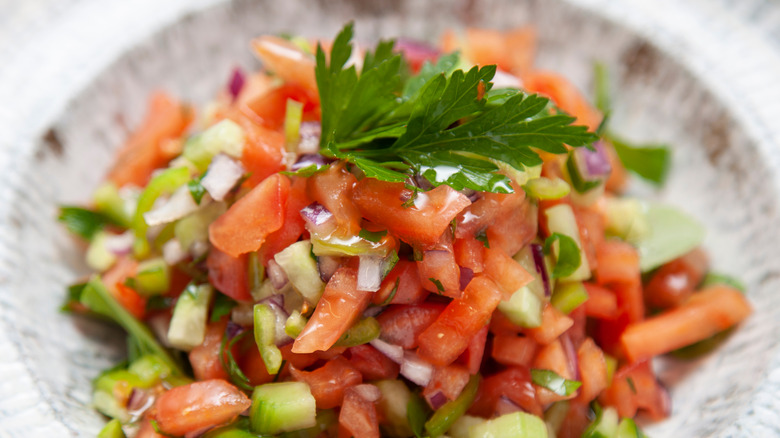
[
  {"x": 372, "y": 364},
  {"x": 675, "y": 281},
  {"x": 472, "y": 357},
  {"x": 444, "y": 340},
  {"x": 333, "y": 189},
  {"x": 329, "y": 382},
  {"x": 199, "y": 405},
  {"x": 205, "y": 357},
  {"x": 402, "y": 324},
  {"x": 358, "y": 416},
  {"x": 409, "y": 289},
  {"x": 258, "y": 214},
  {"x": 513, "y": 383},
  {"x": 165, "y": 119},
  {"x": 339, "y": 307},
  {"x": 229, "y": 275},
  {"x": 382, "y": 203},
  {"x": 292, "y": 224}
]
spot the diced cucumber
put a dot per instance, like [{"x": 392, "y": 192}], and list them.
[
  {"x": 295, "y": 324},
  {"x": 153, "y": 277},
  {"x": 327, "y": 425},
  {"x": 524, "y": 308},
  {"x": 546, "y": 188},
  {"x": 282, "y": 407},
  {"x": 164, "y": 183},
  {"x": 392, "y": 405},
  {"x": 555, "y": 414},
  {"x": 265, "y": 337},
  {"x": 188, "y": 324},
  {"x": 109, "y": 202},
  {"x": 604, "y": 426},
  {"x": 628, "y": 429},
  {"x": 568, "y": 296},
  {"x": 105, "y": 403},
  {"x": 265, "y": 290},
  {"x": 112, "y": 429},
  {"x": 229, "y": 432},
  {"x": 256, "y": 271},
  {"x": 363, "y": 332},
  {"x": 560, "y": 219},
  {"x": 352, "y": 246},
  {"x": 526, "y": 259},
  {"x": 99, "y": 257},
  {"x": 626, "y": 219},
  {"x": 672, "y": 234},
  {"x": 520, "y": 177},
  {"x": 460, "y": 429},
  {"x": 119, "y": 381},
  {"x": 292, "y": 124},
  {"x": 195, "y": 227},
  {"x": 445, "y": 416},
  {"x": 301, "y": 269},
  {"x": 149, "y": 369},
  {"x": 224, "y": 137},
  {"x": 611, "y": 364},
  {"x": 516, "y": 425}
]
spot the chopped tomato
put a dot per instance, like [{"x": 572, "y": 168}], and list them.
[
  {"x": 505, "y": 271},
  {"x": 675, "y": 281},
  {"x": 469, "y": 253},
  {"x": 486, "y": 210},
  {"x": 553, "y": 357},
  {"x": 131, "y": 300},
  {"x": 402, "y": 324},
  {"x": 264, "y": 149},
  {"x": 199, "y": 405},
  {"x": 258, "y": 214},
  {"x": 339, "y": 307},
  {"x": 439, "y": 273},
  {"x": 270, "y": 107},
  {"x": 513, "y": 383},
  {"x": 358, "y": 416},
  {"x": 593, "y": 371},
  {"x": 292, "y": 224},
  {"x": 703, "y": 315},
  {"x": 514, "y": 350},
  {"x": 229, "y": 275},
  {"x": 329, "y": 382},
  {"x": 636, "y": 387},
  {"x": 147, "y": 429},
  {"x": 288, "y": 61},
  {"x": 554, "y": 323},
  {"x": 448, "y": 380},
  {"x": 576, "y": 420},
  {"x": 334, "y": 189},
  {"x": 115, "y": 278},
  {"x": 204, "y": 358},
  {"x": 253, "y": 366},
  {"x": 444, "y": 340},
  {"x": 299, "y": 361},
  {"x": 618, "y": 262},
  {"x": 472, "y": 357},
  {"x": 514, "y": 229},
  {"x": 372, "y": 364},
  {"x": 402, "y": 285},
  {"x": 601, "y": 303},
  {"x": 166, "y": 119},
  {"x": 501, "y": 325},
  {"x": 591, "y": 227},
  {"x": 419, "y": 224},
  {"x": 565, "y": 95},
  {"x": 512, "y": 50}
]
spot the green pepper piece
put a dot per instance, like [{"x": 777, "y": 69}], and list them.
[
  {"x": 164, "y": 183},
  {"x": 443, "y": 418}
]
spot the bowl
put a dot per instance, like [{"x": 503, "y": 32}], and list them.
[{"x": 675, "y": 81}]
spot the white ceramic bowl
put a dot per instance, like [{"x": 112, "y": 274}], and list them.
[{"x": 705, "y": 86}]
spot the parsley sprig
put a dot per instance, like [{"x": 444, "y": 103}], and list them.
[{"x": 437, "y": 124}]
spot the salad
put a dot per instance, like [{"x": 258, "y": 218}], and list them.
[{"x": 402, "y": 241}]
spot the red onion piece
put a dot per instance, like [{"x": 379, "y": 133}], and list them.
[
  {"x": 307, "y": 160},
  {"x": 368, "y": 392},
  {"x": 437, "y": 400},
  {"x": 466, "y": 275},
  {"x": 276, "y": 303},
  {"x": 327, "y": 266},
  {"x": 139, "y": 401},
  {"x": 572, "y": 361},
  {"x": 173, "y": 252},
  {"x": 541, "y": 267},
  {"x": 373, "y": 311},
  {"x": 222, "y": 176},
  {"x": 392, "y": 351},
  {"x": 316, "y": 214},
  {"x": 159, "y": 324},
  {"x": 416, "y": 52},
  {"x": 276, "y": 275},
  {"x": 505, "y": 405},
  {"x": 595, "y": 162},
  {"x": 369, "y": 273},
  {"x": 416, "y": 369},
  {"x": 243, "y": 314},
  {"x": 232, "y": 330},
  {"x": 120, "y": 244},
  {"x": 237, "y": 81}
]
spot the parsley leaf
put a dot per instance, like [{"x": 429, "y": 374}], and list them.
[
  {"x": 551, "y": 380},
  {"x": 417, "y": 412},
  {"x": 229, "y": 364},
  {"x": 82, "y": 221},
  {"x": 651, "y": 162},
  {"x": 223, "y": 305},
  {"x": 442, "y": 123},
  {"x": 196, "y": 189},
  {"x": 372, "y": 236},
  {"x": 569, "y": 257},
  {"x": 437, "y": 283}
]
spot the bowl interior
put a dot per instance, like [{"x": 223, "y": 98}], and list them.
[{"x": 718, "y": 176}]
